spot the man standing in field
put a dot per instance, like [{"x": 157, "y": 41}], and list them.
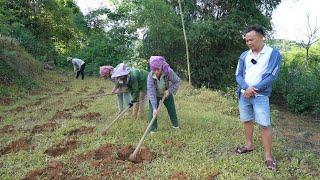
[{"x": 257, "y": 68}]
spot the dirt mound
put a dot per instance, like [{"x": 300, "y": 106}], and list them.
[
  {"x": 315, "y": 138},
  {"x": 7, "y": 129},
  {"x": 20, "y": 108},
  {"x": 44, "y": 127},
  {"x": 212, "y": 175},
  {"x": 80, "y": 131},
  {"x": 108, "y": 163},
  {"x": 104, "y": 151},
  {"x": 61, "y": 115},
  {"x": 178, "y": 176},
  {"x": 91, "y": 116},
  {"x": 77, "y": 107},
  {"x": 80, "y": 106},
  {"x": 124, "y": 152},
  {"x": 54, "y": 170},
  {"x": 6, "y": 101},
  {"x": 15, "y": 146},
  {"x": 144, "y": 154},
  {"x": 61, "y": 148}
]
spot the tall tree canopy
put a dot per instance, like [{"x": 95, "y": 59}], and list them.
[{"x": 214, "y": 30}]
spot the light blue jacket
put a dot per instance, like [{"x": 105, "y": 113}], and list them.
[{"x": 265, "y": 85}]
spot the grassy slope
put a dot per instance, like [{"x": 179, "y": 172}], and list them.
[
  {"x": 210, "y": 130},
  {"x": 19, "y": 71}
]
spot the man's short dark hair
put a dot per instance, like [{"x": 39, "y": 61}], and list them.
[{"x": 257, "y": 29}]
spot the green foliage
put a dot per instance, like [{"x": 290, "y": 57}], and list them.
[
  {"x": 138, "y": 63},
  {"x": 109, "y": 48},
  {"x": 214, "y": 31},
  {"x": 299, "y": 83},
  {"x": 52, "y": 30}
]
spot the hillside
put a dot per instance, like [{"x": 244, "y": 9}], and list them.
[
  {"x": 57, "y": 133},
  {"x": 19, "y": 72}
]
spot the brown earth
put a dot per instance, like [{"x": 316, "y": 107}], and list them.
[
  {"x": 61, "y": 148},
  {"x": 77, "y": 107},
  {"x": 7, "y": 129},
  {"x": 212, "y": 175},
  {"x": 144, "y": 154},
  {"x": 44, "y": 127},
  {"x": 15, "y": 146},
  {"x": 55, "y": 171},
  {"x": 108, "y": 163},
  {"x": 124, "y": 152},
  {"x": 6, "y": 101},
  {"x": 20, "y": 108},
  {"x": 61, "y": 115},
  {"x": 17, "y": 109},
  {"x": 91, "y": 116},
  {"x": 178, "y": 176},
  {"x": 315, "y": 138},
  {"x": 104, "y": 151}
]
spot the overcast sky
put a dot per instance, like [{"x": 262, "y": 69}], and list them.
[{"x": 288, "y": 19}]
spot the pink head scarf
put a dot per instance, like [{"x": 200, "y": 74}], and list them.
[
  {"x": 158, "y": 62},
  {"x": 105, "y": 70}
]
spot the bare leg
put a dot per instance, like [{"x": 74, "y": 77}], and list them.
[
  {"x": 267, "y": 142},
  {"x": 248, "y": 126}
]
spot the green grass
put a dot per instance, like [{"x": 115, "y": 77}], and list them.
[{"x": 210, "y": 131}]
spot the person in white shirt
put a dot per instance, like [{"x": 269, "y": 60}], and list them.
[
  {"x": 78, "y": 65},
  {"x": 257, "y": 69}
]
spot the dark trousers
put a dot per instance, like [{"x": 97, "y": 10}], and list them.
[
  {"x": 171, "y": 108},
  {"x": 81, "y": 71}
]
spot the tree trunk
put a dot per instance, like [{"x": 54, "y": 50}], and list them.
[
  {"x": 185, "y": 40},
  {"x": 307, "y": 55}
]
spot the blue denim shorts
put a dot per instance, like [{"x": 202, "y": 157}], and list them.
[{"x": 255, "y": 108}]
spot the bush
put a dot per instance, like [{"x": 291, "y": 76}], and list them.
[{"x": 299, "y": 86}]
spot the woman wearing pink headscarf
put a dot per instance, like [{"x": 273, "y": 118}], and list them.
[
  {"x": 120, "y": 88},
  {"x": 162, "y": 81}
]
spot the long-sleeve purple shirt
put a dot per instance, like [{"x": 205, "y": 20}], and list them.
[{"x": 173, "y": 82}]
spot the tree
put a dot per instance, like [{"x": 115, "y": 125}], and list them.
[
  {"x": 214, "y": 30},
  {"x": 311, "y": 36}
]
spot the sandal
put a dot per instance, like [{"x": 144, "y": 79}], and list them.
[
  {"x": 271, "y": 165},
  {"x": 243, "y": 150}
]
